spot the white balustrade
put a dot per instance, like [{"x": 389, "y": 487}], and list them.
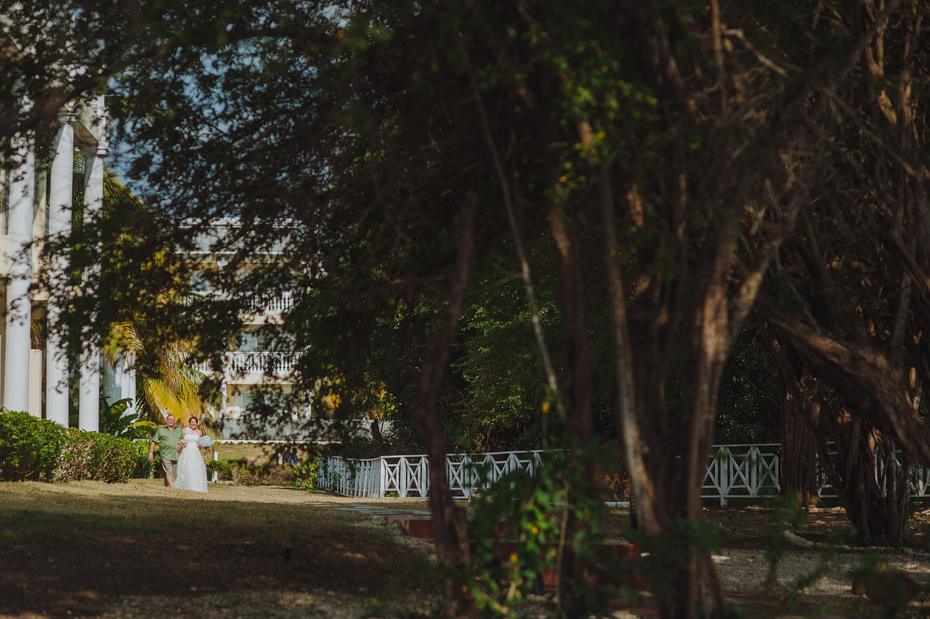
[
  {"x": 260, "y": 362},
  {"x": 280, "y": 303},
  {"x": 279, "y": 363},
  {"x": 733, "y": 471},
  {"x": 920, "y": 481}
]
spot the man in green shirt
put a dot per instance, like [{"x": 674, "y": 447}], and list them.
[{"x": 168, "y": 438}]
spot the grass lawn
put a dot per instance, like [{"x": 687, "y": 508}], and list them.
[{"x": 70, "y": 549}]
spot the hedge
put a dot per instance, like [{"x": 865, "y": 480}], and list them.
[
  {"x": 41, "y": 450},
  {"x": 241, "y": 473}
]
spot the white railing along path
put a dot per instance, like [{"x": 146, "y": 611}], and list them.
[{"x": 733, "y": 472}]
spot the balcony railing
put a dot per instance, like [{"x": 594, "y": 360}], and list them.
[
  {"x": 277, "y": 304},
  {"x": 276, "y": 363},
  {"x": 280, "y": 303},
  {"x": 260, "y": 362}
]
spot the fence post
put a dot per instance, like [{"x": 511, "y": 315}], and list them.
[
  {"x": 382, "y": 471},
  {"x": 402, "y": 477},
  {"x": 724, "y": 475},
  {"x": 424, "y": 477},
  {"x": 466, "y": 476}
]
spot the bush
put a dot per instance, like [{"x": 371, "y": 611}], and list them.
[
  {"x": 306, "y": 473},
  {"x": 95, "y": 456},
  {"x": 267, "y": 475},
  {"x": 241, "y": 473},
  {"x": 260, "y": 472},
  {"x": 222, "y": 468},
  {"x": 29, "y": 447},
  {"x": 37, "y": 449},
  {"x": 144, "y": 469}
]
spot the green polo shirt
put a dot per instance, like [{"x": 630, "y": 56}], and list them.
[{"x": 168, "y": 441}]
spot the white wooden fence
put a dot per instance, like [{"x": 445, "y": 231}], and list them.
[
  {"x": 742, "y": 471},
  {"x": 733, "y": 472},
  {"x": 408, "y": 476}
]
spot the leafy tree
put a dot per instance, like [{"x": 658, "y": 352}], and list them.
[
  {"x": 167, "y": 382},
  {"x": 847, "y": 301},
  {"x": 382, "y": 167},
  {"x": 115, "y": 421}
]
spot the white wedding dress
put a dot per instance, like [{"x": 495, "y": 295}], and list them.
[{"x": 192, "y": 472}]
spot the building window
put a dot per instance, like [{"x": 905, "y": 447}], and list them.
[
  {"x": 245, "y": 401},
  {"x": 265, "y": 340}
]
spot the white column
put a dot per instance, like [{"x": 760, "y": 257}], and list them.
[
  {"x": 110, "y": 383},
  {"x": 37, "y": 353},
  {"x": 18, "y": 296},
  {"x": 59, "y": 227},
  {"x": 118, "y": 382},
  {"x": 36, "y": 362},
  {"x": 89, "y": 401},
  {"x": 127, "y": 373}
]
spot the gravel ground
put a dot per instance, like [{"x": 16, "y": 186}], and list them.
[
  {"x": 744, "y": 571},
  {"x": 741, "y": 571},
  {"x": 253, "y": 605}
]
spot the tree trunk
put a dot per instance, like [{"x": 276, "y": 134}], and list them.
[
  {"x": 696, "y": 587},
  {"x": 865, "y": 433},
  {"x": 665, "y": 484},
  {"x": 874, "y": 500},
  {"x": 872, "y": 481},
  {"x": 449, "y": 525},
  {"x": 800, "y": 411},
  {"x": 577, "y": 366},
  {"x": 870, "y": 387},
  {"x": 799, "y": 441}
]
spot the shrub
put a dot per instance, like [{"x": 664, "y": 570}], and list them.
[
  {"x": 95, "y": 456},
  {"x": 143, "y": 469},
  {"x": 533, "y": 508},
  {"x": 222, "y": 468},
  {"x": 267, "y": 475},
  {"x": 37, "y": 449},
  {"x": 241, "y": 473},
  {"x": 306, "y": 473},
  {"x": 29, "y": 447}
]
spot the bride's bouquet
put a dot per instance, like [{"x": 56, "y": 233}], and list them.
[{"x": 205, "y": 441}]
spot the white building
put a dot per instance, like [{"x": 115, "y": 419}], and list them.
[
  {"x": 260, "y": 361},
  {"x": 37, "y": 205},
  {"x": 36, "y": 186}
]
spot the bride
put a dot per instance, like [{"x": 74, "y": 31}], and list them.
[{"x": 192, "y": 472}]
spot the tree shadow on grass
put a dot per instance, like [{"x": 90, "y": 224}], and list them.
[{"x": 65, "y": 552}]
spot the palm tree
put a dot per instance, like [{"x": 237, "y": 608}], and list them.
[{"x": 165, "y": 382}]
